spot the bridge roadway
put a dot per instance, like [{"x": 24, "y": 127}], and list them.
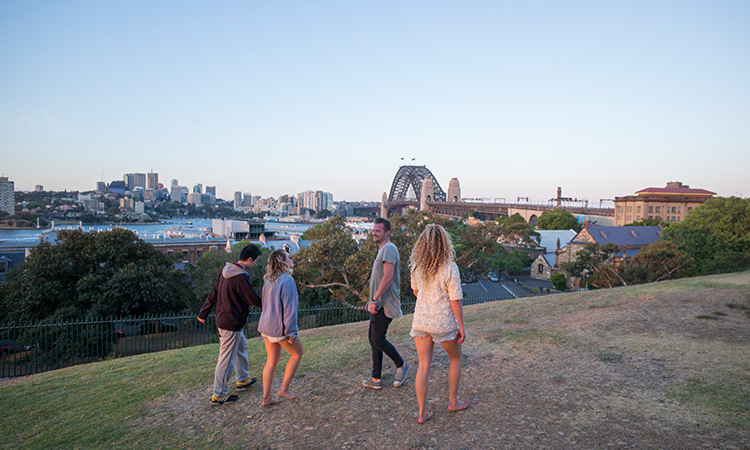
[{"x": 493, "y": 210}]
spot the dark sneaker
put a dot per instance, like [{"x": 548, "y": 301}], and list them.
[
  {"x": 373, "y": 384},
  {"x": 241, "y": 386},
  {"x": 223, "y": 399},
  {"x": 401, "y": 373}
]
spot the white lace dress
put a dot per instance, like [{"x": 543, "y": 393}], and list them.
[{"x": 433, "y": 312}]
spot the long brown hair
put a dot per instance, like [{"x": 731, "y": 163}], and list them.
[
  {"x": 277, "y": 265},
  {"x": 433, "y": 249}
]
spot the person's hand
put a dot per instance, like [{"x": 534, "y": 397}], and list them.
[
  {"x": 461, "y": 335},
  {"x": 291, "y": 339},
  {"x": 201, "y": 320},
  {"x": 371, "y": 308}
]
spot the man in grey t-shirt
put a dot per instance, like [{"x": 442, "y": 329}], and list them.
[{"x": 384, "y": 305}]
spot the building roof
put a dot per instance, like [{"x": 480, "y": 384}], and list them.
[
  {"x": 628, "y": 235},
  {"x": 675, "y": 191}
]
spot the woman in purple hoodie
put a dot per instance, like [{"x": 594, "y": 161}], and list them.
[{"x": 278, "y": 324}]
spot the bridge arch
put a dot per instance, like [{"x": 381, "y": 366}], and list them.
[{"x": 407, "y": 184}]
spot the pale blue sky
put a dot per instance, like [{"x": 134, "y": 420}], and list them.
[{"x": 512, "y": 98}]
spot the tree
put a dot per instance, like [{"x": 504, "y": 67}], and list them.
[
  {"x": 92, "y": 275},
  {"x": 713, "y": 231},
  {"x": 595, "y": 265},
  {"x": 558, "y": 281},
  {"x": 558, "y": 219},
  {"x": 659, "y": 261},
  {"x": 334, "y": 262}
]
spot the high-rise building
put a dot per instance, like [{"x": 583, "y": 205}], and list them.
[
  {"x": 152, "y": 180},
  {"x": 129, "y": 179},
  {"x": 211, "y": 190},
  {"x": 198, "y": 188},
  {"x": 194, "y": 198},
  {"x": 7, "y": 196},
  {"x": 101, "y": 186},
  {"x": 247, "y": 200},
  {"x": 174, "y": 182},
  {"x": 237, "y": 200},
  {"x": 175, "y": 194},
  {"x": 140, "y": 180},
  {"x": 39, "y": 188}
]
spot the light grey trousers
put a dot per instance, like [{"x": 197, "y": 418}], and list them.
[{"x": 232, "y": 356}]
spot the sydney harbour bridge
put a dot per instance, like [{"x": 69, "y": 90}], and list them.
[{"x": 415, "y": 187}]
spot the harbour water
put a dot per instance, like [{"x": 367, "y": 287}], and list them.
[{"x": 30, "y": 238}]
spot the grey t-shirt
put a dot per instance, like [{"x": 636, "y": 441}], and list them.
[{"x": 390, "y": 301}]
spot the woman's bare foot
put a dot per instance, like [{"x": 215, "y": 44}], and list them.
[
  {"x": 462, "y": 404},
  {"x": 424, "y": 418},
  {"x": 270, "y": 402},
  {"x": 287, "y": 394}
]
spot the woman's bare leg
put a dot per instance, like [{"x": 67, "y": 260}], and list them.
[
  {"x": 454, "y": 375},
  {"x": 424, "y": 353},
  {"x": 273, "y": 351},
  {"x": 295, "y": 351}
]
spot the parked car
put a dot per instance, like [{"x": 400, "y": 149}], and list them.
[
  {"x": 7, "y": 347},
  {"x": 492, "y": 276}
]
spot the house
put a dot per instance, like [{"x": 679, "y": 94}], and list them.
[
  {"x": 551, "y": 241},
  {"x": 631, "y": 239}
]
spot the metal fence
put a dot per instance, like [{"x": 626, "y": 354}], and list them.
[{"x": 31, "y": 348}]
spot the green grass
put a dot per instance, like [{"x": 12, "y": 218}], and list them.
[{"x": 729, "y": 395}]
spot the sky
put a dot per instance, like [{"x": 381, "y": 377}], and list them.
[{"x": 512, "y": 98}]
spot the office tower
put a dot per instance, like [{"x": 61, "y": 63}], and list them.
[
  {"x": 175, "y": 193},
  {"x": 247, "y": 200},
  {"x": 152, "y": 180},
  {"x": 174, "y": 182},
  {"x": 211, "y": 190},
  {"x": 237, "y": 200},
  {"x": 140, "y": 180},
  {"x": 129, "y": 179},
  {"x": 194, "y": 198},
  {"x": 198, "y": 188},
  {"x": 39, "y": 188},
  {"x": 7, "y": 196},
  {"x": 100, "y": 186}
]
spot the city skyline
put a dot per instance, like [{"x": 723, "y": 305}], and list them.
[{"x": 513, "y": 100}]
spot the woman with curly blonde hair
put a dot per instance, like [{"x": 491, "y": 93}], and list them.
[
  {"x": 278, "y": 324},
  {"x": 438, "y": 314}
]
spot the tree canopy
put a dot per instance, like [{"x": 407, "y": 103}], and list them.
[
  {"x": 558, "y": 219},
  {"x": 714, "y": 234},
  {"x": 87, "y": 275}
]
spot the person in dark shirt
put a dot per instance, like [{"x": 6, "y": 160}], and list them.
[{"x": 232, "y": 294}]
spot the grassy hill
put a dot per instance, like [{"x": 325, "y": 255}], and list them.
[{"x": 664, "y": 365}]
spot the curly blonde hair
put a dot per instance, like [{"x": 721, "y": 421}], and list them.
[
  {"x": 277, "y": 265},
  {"x": 433, "y": 249}
]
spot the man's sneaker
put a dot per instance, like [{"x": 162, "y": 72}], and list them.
[
  {"x": 241, "y": 386},
  {"x": 373, "y": 384},
  {"x": 223, "y": 399},
  {"x": 401, "y": 373}
]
